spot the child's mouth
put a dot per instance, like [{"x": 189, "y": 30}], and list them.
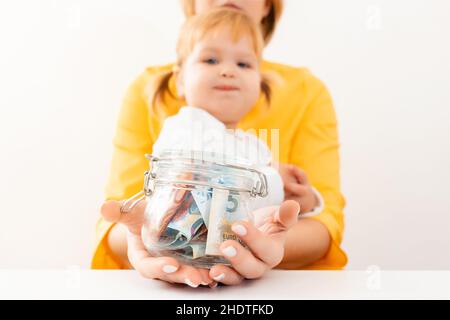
[
  {"x": 231, "y": 5},
  {"x": 226, "y": 88}
]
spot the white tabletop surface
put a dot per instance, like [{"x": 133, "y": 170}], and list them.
[{"x": 74, "y": 283}]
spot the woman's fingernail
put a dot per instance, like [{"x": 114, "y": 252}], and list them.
[
  {"x": 212, "y": 285},
  {"x": 239, "y": 229},
  {"x": 229, "y": 251},
  {"x": 169, "y": 268},
  {"x": 220, "y": 277},
  {"x": 190, "y": 283}
]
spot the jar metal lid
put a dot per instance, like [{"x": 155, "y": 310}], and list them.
[
  {"x": 219, "y": 166},
  {"x": 209, "y": 161}
]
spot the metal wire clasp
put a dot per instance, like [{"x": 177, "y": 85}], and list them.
[
  {"x": 126, "y": 207},
  {"x": 261, "y": 186}
]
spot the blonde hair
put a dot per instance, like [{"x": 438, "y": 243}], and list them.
[
  {"x": 268, "y": 23},
  {"x": 197, "y": 28}
]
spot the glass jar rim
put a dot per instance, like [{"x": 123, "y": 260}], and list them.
[
  {"x": 246, "y": 177},
  {"x": 206, "y": 156}
]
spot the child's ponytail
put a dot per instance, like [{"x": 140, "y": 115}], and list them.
[
  {"x": 161, "y": 89},
  {"x": 265, "y": 88}
]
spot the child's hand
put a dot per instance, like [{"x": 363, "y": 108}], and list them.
[
  {"x": 163, "y": 268},
  {"x": 297, "y": 187},
  {"x": 265, "y": 240}
]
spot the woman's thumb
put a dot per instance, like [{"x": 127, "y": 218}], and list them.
[
  {"x": 287, "y": 216},
  {"x": 110, "y": 211}
]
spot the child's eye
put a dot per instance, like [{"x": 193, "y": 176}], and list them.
[
  {"x": 211, "y": 61},
  {"x": 244, "y": 65}
]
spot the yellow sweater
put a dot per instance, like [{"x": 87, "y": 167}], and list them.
[{"x": 301, "y": 108}]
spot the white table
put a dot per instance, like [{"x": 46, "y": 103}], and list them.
[{"x": 74, "y": 283}]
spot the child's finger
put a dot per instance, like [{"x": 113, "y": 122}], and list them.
[
  {"x": 296, "y": 189},
  {"x": 293, "y": 197},
  {"x": 299, "y": 174}
]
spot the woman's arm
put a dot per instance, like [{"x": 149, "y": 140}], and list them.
[
  {"x": 117, "y": 243},
  {"x": 131, "y": 142},
  {"x": 307, "y": 241},
  {"x": 316, "y": 151}
]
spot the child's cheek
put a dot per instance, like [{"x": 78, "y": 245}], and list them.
[{"x": 256, "y": 83}]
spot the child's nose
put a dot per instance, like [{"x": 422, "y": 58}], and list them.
[{"x": 228, "y": 71}]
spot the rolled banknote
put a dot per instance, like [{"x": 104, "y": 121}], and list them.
[
  {"x": 197, "y": 246},
  {"x": 225, "y": 210},
  {"x": 192, "y": 251},
  {"x": 162, "y": 206},
  {"x": 202, "y": 197},
  {"x": 186, "y": 223},
  {"x": 164, "y": 210},
  {"x": 185, "y": 234}
]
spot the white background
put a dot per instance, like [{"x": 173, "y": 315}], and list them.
[{"x": 65, "y": 66}]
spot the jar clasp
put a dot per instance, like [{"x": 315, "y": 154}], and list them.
[{"x": 126, "y": 207}]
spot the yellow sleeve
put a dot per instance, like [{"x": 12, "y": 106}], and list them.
[
  {"x": 316, "y": 150},
  {"x": 131, "y": 142}
]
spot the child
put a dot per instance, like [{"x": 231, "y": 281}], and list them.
[{"x": 217, "y": 72}]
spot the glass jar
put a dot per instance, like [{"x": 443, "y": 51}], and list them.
[{"x": 193, "y": 198}]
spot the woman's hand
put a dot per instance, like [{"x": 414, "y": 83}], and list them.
[
  {"x": 297, "y": 187},
  {"x": 265, "y": 240},
  {"x": 163, "y": 268}
]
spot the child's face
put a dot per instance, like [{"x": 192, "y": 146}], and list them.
[{"x": 221, "y": 77}]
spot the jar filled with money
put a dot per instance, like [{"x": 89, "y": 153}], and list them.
[{"x": 193, "y": 198}]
